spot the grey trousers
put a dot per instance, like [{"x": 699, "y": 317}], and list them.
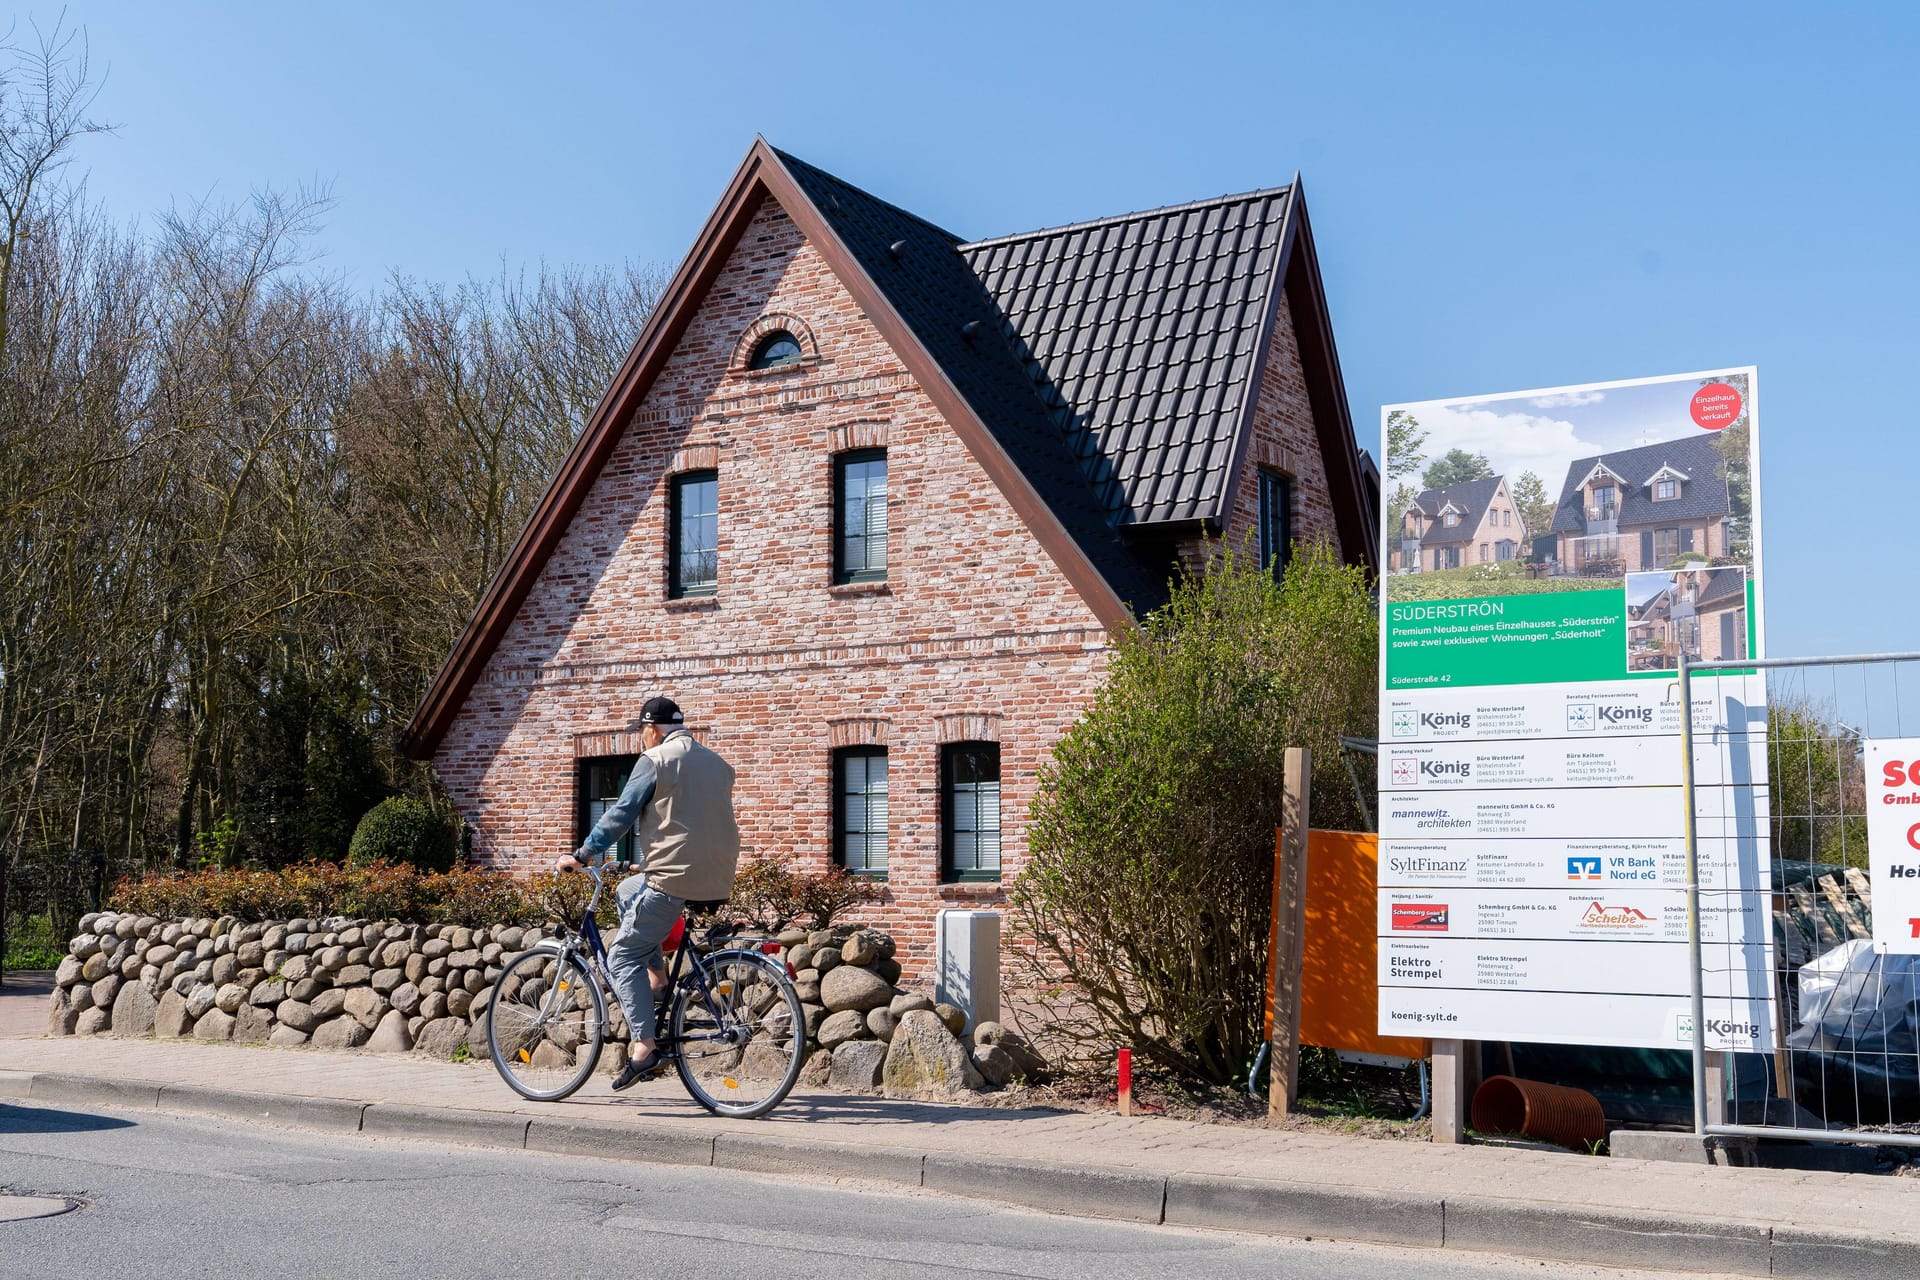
[{"x": 646, "y": 918}]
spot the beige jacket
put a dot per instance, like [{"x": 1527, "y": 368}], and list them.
[{"x": 687, "y": 839}]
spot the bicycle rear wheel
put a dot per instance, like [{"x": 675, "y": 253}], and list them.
[
  {"x": 741, "y": 1041},
  {"x": 546, "y": 1025}
]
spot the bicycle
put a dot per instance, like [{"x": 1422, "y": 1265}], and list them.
[{"x": 729, "y": 1017}]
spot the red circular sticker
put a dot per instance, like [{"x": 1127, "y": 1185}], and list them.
[{"x": 1715, "y": 405}]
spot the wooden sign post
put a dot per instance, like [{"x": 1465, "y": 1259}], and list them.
[{"x": 1289, "y": 916}]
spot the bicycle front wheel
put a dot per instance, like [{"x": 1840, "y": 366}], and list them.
[
  {"x": 546, "y": 1025},
  {"x": 741, "y": 1040}
]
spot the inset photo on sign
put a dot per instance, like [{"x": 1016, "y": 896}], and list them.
[
  {"x": 1699, "y": 613},
  {"x": 1567, "y": 490}
]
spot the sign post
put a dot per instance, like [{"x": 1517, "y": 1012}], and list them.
[
  {"x": 1550, "y": 558},
  {"x": 1290, "y": 927}
]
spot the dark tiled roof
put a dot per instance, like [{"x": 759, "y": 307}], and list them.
[
  {"x": 1704, "y": 495},
  {"x": 1142, "y": 336},
  {"x": 1721, "y": 584},
  {"x": 1471, "y": 496},
  {"x": 930, "y": 284}
]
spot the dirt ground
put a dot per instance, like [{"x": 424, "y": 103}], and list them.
[{"x": 1334, "y": 1098}]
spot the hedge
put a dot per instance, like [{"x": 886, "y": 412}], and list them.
[
  {"x": 767, "y": 893},
  {"x": 381, "y": 891}
]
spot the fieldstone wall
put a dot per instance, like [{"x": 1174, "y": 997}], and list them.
[
  {"x": 389, "y": 987},
  {"x": 334, "y": 983}
]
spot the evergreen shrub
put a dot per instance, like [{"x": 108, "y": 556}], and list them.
[{"x": 401, "y": 829}]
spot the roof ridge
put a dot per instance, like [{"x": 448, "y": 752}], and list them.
[
  {"x": 787, "y": 157},
  {"x": 1237, "y": 198}
]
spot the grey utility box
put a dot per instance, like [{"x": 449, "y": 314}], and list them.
[{"x": 966, "y": 971}]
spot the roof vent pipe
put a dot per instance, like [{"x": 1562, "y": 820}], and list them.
[
  {"x": 970, "y": 330},
  {"x": 898, "y": 248}
]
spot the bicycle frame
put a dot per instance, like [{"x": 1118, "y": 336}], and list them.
[{"x": 586, "y": 941}]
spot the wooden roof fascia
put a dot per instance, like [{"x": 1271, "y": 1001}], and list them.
[
  {"x": 1086, "y": 578},
  {"x": 1243, "y": 430},
  {"x": 568, "y": 489},
  {"x": 1327, "y": 393}
]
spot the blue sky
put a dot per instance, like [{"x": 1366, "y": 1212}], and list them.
[{"x": 1503, "y": 196}]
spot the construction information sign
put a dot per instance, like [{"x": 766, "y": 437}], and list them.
[
  {"x": 1893, "y": 842},
  {"x": 1548, "y": 558}
]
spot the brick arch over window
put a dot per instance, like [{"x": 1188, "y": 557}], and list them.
[
  {"x": 775, "y": 322},
  {"x": 857, "y": 733},
  {"x": 973, "y": 727},
  {"x": 867, "y": 433}
]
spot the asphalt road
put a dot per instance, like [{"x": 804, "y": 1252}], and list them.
[{"x": 165, "y": 1196}]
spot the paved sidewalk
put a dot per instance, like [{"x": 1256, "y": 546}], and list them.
[{"x": 1530, "y": 1203}]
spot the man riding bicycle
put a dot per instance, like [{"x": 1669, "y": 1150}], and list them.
[{"x": 678, "y": 802}]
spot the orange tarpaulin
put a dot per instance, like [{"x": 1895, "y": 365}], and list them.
[{"x": 1339, "y": 998}]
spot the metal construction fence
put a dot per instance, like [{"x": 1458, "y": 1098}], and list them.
[{"x": 1802, "y": 1027}]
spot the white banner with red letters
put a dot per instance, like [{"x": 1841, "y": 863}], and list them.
[{"x": 1893, "y": 841}]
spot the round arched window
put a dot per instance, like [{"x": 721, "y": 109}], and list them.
[{"x": 775, "y": 351}]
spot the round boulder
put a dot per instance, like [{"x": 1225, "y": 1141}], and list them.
[
  {"x": 841, "y": 1027},
  {"x": 850, "y": 987}
]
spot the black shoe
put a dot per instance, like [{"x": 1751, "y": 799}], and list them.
[{"x": 634, "y": 1072}]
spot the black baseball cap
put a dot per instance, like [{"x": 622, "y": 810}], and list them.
[{"x": 661, "y": 711}]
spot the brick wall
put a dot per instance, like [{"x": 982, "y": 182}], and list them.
[
  {"x": 1284, "y": 440},
  {"x": 975, "y": 634}
]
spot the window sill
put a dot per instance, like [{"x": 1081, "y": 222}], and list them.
[
  {"x": 798, "y": 366},
  {"x": 692, "y": 604},
  {"x": 980, "y": 889},
  {"x": 856, "y": 589}
]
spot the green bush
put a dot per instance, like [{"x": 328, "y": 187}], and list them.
[
  {"x": 403, "y": 830},
  {"x": 1143, "y": 914},
  {"x": 31, "y": 944}
]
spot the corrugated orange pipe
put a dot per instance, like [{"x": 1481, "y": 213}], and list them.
[{"x": 1553, "y": 1113}]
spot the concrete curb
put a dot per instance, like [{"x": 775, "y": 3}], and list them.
[
  {"x": 1520, "y": 1228},
  {"x": 1843, "y": 1255},
  {"x": 330, "y": 1114},
  {"x": 1609, "y": 1237},
  {"x": 1307, "y": 1210},
  {"x": 649, "y": 1144},
  {"x": 1130, "y": 1195},
  {"x": 441, "y": 1124},
  {"x": 754, "y": 1153}
]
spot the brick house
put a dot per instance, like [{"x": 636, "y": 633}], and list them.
[
  {"x": 869, "y": 500},
  {"x": 1641, "y": 509},
  {"x": 1701, "y": 613},
  {"x": 1474, "y": 522}
]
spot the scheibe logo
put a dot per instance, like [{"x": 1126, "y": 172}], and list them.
[{"x": 1600, "y": 916}]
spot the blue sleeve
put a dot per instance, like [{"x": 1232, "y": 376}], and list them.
[{"x": 619, "y": 819}]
